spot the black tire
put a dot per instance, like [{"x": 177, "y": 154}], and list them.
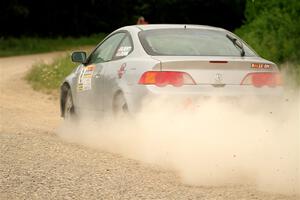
[
  {"x": 69, "y": 109},
  {"x": 120, "y": 107}
]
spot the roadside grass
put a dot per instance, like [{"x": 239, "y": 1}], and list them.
[
  {"x": 48, "y": 77},
  {"x": 30, "y": 45}
]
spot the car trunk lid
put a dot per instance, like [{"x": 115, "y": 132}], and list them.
[{"x": 216, "y": 71}]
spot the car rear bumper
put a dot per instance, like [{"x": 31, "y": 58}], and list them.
[
  {"x": 191, "y": 93},
  {"x": 211, "y": 91}
]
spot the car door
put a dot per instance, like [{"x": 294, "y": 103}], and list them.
[
  {"x": 91, "y": 79},
  {"x": 114, "y": 72}
]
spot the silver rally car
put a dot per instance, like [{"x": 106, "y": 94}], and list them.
[{"x": 141, "y": 61}]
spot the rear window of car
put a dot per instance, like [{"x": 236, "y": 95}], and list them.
[{"x": 190, "y": 42}]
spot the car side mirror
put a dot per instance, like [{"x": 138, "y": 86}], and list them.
[{"x": 78, "y": 56}]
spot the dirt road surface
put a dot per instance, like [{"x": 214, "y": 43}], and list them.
[{"x": 36, "y": 164}]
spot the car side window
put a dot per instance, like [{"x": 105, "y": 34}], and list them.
[
  {"x": 107, "y": 49},
  {"x": 125, "y": 48}
]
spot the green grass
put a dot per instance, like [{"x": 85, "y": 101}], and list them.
[
  {"x": 30, "y": 45},
  {"x": 48, "y": 77}
]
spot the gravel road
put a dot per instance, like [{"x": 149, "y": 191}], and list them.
[{"x": 36, "y": 164}]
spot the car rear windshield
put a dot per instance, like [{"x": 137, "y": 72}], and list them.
[{"x": 191, "y": 42}]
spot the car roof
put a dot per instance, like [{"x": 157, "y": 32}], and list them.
[
  {"x": 170, "y": 26},
  {"x": 138, "y": 28}
]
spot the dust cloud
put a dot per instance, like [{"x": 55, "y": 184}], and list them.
[{"x": 211, "y": 142}]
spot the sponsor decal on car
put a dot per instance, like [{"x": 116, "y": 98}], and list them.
[
  {"x": 85, "y": 78},
  {"x": 123, "y": 51},
  {"x": 260, "y": 66},
  {"x": 121, "y": 71}
]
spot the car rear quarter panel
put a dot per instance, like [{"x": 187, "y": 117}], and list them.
[{"x": 127, "y": 84}]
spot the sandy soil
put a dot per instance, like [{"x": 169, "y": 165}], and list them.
[{"x": 36, "y": 164}]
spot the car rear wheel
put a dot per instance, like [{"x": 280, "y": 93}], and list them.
[{"x": 120, "y": 107}]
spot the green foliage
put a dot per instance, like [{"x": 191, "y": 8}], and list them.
[
  {"x": 28, "y": 45},
  {"x": 47, "y": 77},
  {"x": 272, "y": 28}
]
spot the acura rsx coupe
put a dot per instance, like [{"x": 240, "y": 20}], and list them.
[{"x": 139, "y": 61}]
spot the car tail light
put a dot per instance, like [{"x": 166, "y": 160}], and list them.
[
  {"x": 163, "y": 78},
  {"x": 259, "y": 79}
]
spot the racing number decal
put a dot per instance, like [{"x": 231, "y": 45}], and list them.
[{"x": 85, "y": 78}]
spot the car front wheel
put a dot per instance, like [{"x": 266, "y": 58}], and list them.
[{"x": 69, "y": 110}]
